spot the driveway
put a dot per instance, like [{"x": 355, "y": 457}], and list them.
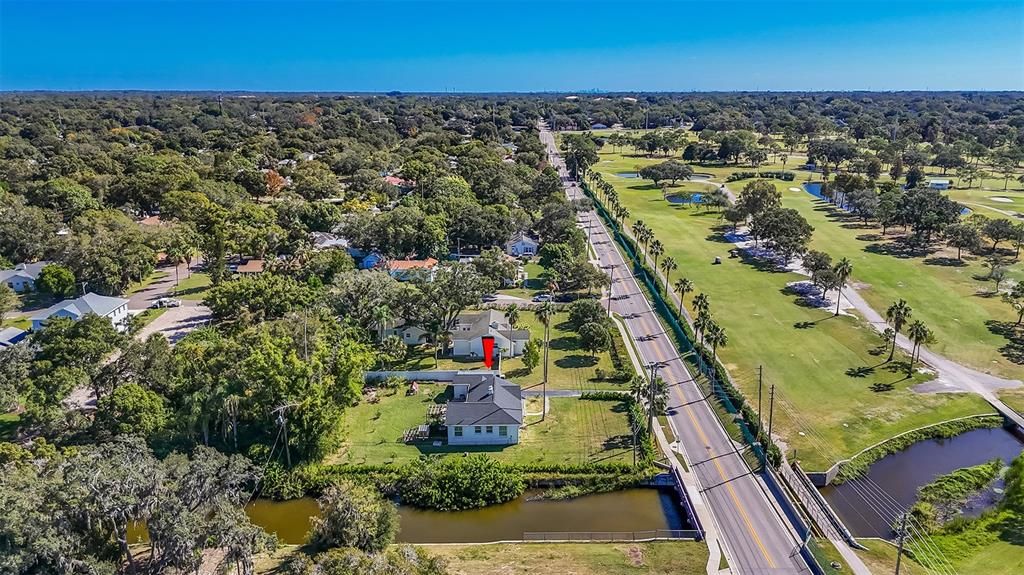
[
  {"x": 177, "y": 322},
  {"x": 160, "y": 287}
]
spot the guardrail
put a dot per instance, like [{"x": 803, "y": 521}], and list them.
[{"x": 613, "y": 536}]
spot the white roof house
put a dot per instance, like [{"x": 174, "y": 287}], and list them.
[
  {"x": 22, "y": 277},
  {"x": 521, "y": 244},
  {"x": 113, "y": 308},
  {"x": 939, "y": 183}
]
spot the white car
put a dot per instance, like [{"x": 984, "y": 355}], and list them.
[
  {"x": 542, "y": 297},
  {"x": 166, "y": 302}
]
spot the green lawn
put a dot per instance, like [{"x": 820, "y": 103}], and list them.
[
  {"x": 574, "y": 431},
  {"x": 534, "y": 283},
  {"x": 828, "y": 369},
  {"x": 149, "y": 315},
  {"x": 880, "y": 557},
  {"x": 21, "y": 323},
  {"x": 137, "y": 287},
  {"x": 569, "y": 367},
  {"x": 1014, "y": 398},
  {"x": 193, "y": 288},
  {"x": 655, "y": 558}
]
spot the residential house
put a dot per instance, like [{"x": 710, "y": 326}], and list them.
[
  {"x": 403, "y": 270},
  {"x": 10, "y": 336},
  {"x": 521, "y": 244},
  {"x": 22, "y": 277},
  {"x": 250, "y": 268},
  {"x": 468, "y": 332},
  {"x": 328, "y": 241},
  {"x": 113, "y": 308},
  {"x": 484, "y": 410},
  {"x": 399, "y": 183},
  {"x": 939, "y": 184}
]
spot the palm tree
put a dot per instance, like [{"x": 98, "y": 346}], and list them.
[
  {"x": 682, "y": 286},
  {"x": 638, "y": 387},
  {"x": 717, "y": 338},
  {"x": 702, "y": 323},
  {"x": 843, "y": 270},
  {"x": 512, "y": 316},
  {"x": 701, "y": 303},
  {"x": 637, "y": 228},
  {"x": 898, "y": 314},
  {"x": 545, "y": 313},
  {"x": 381, "y": 316},
  {"x": 919, "y": 334},
  {"x": 668, "y": 265},
  {"x": 656, "y": 250}
]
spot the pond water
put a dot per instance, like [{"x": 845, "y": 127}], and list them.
[
  {"x": 630, "y": 175},
  {"x": 901, "y": 474},
  {"x": 639, "y": 509},
  {"x": 675, "y": 199},
  {"x": 814, "y": 188}
]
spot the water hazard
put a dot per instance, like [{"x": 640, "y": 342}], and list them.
[{"x": 902, "y": 473}]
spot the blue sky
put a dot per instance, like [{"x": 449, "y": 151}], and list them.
[{"x": 485, "y": 45}]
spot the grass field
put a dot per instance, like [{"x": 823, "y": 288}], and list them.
[
  {"x": 1014, "y": 398},
  {"x": 194, "y": 287},
  {"x": 569, "y": 368},
  {"x": 656, "y": 558},
  {"x": 149, "y": 315},
  {"x": 574, "y": 431},
  {"x": 881, "y": 558},
  {"x": 829, "y": 370}
]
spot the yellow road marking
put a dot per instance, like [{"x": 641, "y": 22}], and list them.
[{"x": 721, "y": 473}]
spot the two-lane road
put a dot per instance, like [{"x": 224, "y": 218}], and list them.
[{"x": 756, "y": 539}]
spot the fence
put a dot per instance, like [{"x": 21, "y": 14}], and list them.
[{"x": 613, "y": 536}]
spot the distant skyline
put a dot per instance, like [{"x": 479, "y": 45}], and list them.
[{"x": 508, "y": 46}]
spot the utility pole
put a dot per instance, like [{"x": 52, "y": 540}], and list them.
[
  {"x": 771, "y": 410},
  {"x": 650, "y": 397},
  {"x": 760, "y": 380},
  {"x": 282, "y": 420},
  {"x": 903, "y": 535}
]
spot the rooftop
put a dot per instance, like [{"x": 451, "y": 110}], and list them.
[
  {"x": 100, "y": 305},
  {"x": 399, "y": 265},
  {"x": 490, "y": 400},
  {"x": 28, "y": 270}
]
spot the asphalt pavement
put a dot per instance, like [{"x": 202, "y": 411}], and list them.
[{"x": 757, "y": 539}]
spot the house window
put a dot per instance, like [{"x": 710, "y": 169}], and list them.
[
  {"x": 502, "y": 431},
  {"x": 458, "y": 431},
  {"x": 490, "y": 429},
  {"x": 476, "y": 430}
]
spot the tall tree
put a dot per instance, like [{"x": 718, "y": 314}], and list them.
[
  {"x": 898, "y": 315},
  {"x": 842, "y": 270}
]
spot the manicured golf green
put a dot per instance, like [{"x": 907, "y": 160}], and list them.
[{"x": 823, "y": 366}]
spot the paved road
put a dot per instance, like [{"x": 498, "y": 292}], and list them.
[{"x": 757, "y": 540}]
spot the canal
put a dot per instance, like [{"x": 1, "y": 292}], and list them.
[{"x": 901, "y": 474}]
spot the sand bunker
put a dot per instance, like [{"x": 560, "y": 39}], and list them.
[
  {"x": 1001, "y": 199},
  {"x": 794, "y": 189}
]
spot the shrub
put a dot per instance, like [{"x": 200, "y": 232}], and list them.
[{"x": 454, "y": 483}]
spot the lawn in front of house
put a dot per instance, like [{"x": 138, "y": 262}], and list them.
[
  {"x": 830, "y": 371},
  {"x": 193, "y": 287},
  {"x": 569, "y": 366},
  {"x": 574, "y": 431},
  {"x": 147, "y": 316},
  {"x": 533, "y": 285}
]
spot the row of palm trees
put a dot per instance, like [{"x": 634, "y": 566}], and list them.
[{"x": 898, "y": 314}]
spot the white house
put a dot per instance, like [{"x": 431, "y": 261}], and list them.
[
  {"x": 22, "y": 277},
  {"x": 113, "y": 308},
  {"x": 484, "y": 410},
  {"x": 938, "y": 184},
  {"x": 521, "y": 245},
  {"x": 468, "y": 332}
]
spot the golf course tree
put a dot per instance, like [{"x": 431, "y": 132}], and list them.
[
  {"x": 919, "y": 334},
  {"x": 716, "y": 337},
  {"x": 842, "y": 272},
  {"x": 897, "y": 315},
  {"x": 668, "y": 265},
  {"x": 1015, "y": 298},
  {"x": 998, "y": 230},
  {"x": 928, "y": 211},
  {"x": 671, "y": 170},
  {"x": 818, "y": 265},
  {"x": 783, "y": 230},
  {"x": 962, "y": 236},
  {"x": 758, "y": 197}
]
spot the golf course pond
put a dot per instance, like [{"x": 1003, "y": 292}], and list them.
[{"x": 901, "y": 474}]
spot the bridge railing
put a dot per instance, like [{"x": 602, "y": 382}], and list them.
[{"x": 613, "y": 536}]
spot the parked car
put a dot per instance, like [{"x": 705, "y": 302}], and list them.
[
  {"x": 490, "y": 297},
  {"x": 166, "y": 302},
  {"x": 542, "y": 297}
]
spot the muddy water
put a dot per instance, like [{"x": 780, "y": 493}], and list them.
[
  {"x": 628, "y": 510},
  {"x": 901, "y": 474}
]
